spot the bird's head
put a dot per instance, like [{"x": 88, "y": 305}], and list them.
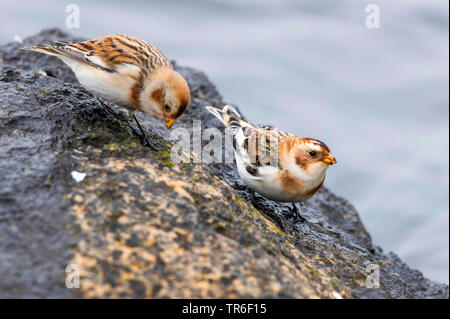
[
  {"x": 166, "y": 95},
  {"x": 309, "y": 157}
]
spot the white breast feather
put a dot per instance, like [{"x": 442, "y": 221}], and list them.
[{"x": 112, "y": 86}]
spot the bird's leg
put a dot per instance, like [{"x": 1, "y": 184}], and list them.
[
  {"x": 152, "y": 146},
  {"x": 296, "y": 213},
  {"x": 110, "y": 110},
  {"x": 252, "y": 197},
  {"x": 121, "y": 119}
]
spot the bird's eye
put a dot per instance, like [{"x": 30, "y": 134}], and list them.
[
  {"x": 313, "y": 153},
  {"x": 167, "y": 108}
]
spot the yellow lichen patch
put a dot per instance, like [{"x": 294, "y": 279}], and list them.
[
  {"x": 119, "y": 165},
  {"x": 208, "y": 190},
  {"x": 78, "y": 198},
  {"x": 179, "y": 186}
]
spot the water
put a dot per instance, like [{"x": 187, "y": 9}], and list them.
[{"x": 377, "y": 97}]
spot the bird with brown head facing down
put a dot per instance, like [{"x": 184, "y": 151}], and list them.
[
  {"x": 276, "y": 164},
  {"x": 126, "y": 71}
]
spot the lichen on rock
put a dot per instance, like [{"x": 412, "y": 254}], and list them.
[{"x": 140, "y": 225}]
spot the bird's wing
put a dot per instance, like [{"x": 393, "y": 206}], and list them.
[
  {"x": 256, "y": 148},
  {"x": 109, "y": 53}
]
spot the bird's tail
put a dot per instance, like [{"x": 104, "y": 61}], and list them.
[
  {"x": 46, "y": 49},
  {"x": 228, "y": 115}
]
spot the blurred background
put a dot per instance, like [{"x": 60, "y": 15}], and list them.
[{"x": 378, "y": 97}]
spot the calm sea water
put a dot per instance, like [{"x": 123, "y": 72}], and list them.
[{"x": 378, "y": 97}]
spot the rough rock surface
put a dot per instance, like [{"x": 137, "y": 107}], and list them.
[{"x": 139, "y": 225}]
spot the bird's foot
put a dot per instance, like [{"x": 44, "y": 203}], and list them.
[
  {"x": 252, "y": 197},
  {"x": 240, "y": 186},
  {"x": 297, "y": 216}
]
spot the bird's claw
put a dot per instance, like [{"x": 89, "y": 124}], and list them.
[{"x": 297, "y": 216}]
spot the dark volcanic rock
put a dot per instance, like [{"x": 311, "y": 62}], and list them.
[{"x": 139, "y": 225}]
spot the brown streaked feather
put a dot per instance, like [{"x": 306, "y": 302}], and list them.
[
  {"x": 66, "y": 51},
  {"x": 114, "y": 50},
  {"x": 262, "y": 144}
]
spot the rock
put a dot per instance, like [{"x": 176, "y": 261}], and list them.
[{"x": 139, "y": 225}]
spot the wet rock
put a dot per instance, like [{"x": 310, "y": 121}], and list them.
[{"x": 139, "y": 225}]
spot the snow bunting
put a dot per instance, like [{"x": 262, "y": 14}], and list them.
[
  {"x": 126, "y": 71},
  {"x": 276, "y": 164}
]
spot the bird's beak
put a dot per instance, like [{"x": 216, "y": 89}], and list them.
[
  {"x": 329, "y": 159},
  {"x": 169, "y": 122}
]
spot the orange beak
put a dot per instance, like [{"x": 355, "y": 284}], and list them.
[
  {"x": 329, "y": 159},
  {"x": 169, "y": 122}
]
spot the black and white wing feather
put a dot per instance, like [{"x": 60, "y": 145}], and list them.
[{"x": 256, "y": 148}]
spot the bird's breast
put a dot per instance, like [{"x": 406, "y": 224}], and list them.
[
  {"x": 285, "y": 187},
  {"x": 112, "y": 86}
]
